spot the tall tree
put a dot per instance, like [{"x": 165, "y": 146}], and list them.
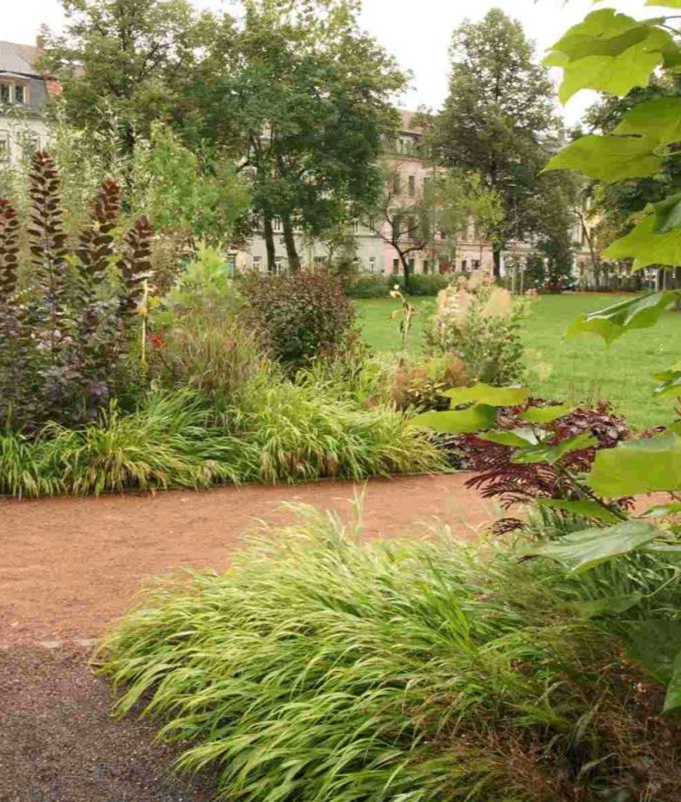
[
  {"x": 305, "y": 99},
  {"x": 130, "y": 57},
  {"x": 499, "y": 111}
]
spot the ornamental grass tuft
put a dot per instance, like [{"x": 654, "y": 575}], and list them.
[{"x": 319, "y": 669}]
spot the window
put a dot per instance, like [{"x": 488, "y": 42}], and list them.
[
  {"x": 13, "y": 92},
  {"x": 257, "y": 260},
  {"x": 397, "y": 228},
  {"x": 278, "y": 265},
  {"x": 355, "y": 226},
  {"x": 397, "y": 184},
  {"x": 396, "y": 266},
  {"x": 476, "y": 264},
  {"x": 4, "y": 146},
  {"x": 464, "y": 265},
  {"x": 372, "y": 264},
  {"x": 412, "y": 266},
  {"x": 426, "y": 265},
  {"x": 319, "y": 264},
  {"x": 276, "y": 225},
  {"x": 412, "y": 186},
  {"x": 28, "y": 142}
]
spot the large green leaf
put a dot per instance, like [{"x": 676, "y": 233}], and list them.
[
  {"x": 518, "y": 438},
  {"x": 485, "y": 394},
  {"x": 542, "y": 415},
  {"x": 584, "y": 507},
  {"x": 607, "y": 606},
  {"x": 664, "y": 3},
  {"x": 656, "y": 240},
  {"x": 655, "y": 644},
  {"x": 609, "y": 52},
  {"x": 581, "y": 551},
  {"x": 609, "y": 158},
  {"x": 670, "y": 383},
  {"x": 551, "y": 454},
  {"x": 672, "y": 700},
  {"x": 657, "y": 120},
  {"x": 459, "y": 421},
  {"x": 663, "y": 510},
  {"x": 640, "y": 312},
  {"x": 649, "y": 465}
]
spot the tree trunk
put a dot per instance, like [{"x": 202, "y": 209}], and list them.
[
  {"x": 290, "y": 242},
  {"x": 269, "y": 244},
  {"x": 496, "y": 252},
  {"x": 407, "y": 272}
]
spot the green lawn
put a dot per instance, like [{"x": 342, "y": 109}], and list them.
[{"x": 581, "y": 369}]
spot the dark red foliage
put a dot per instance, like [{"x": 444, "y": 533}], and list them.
[{"x": 496, "y": 476}]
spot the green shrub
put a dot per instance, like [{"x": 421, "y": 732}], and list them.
[
  {"x": 319, "y": 669},
  {"x": 300, "y": 316},
  {"x": 378, "y": 285},
  {"x": 369, "y": 285},
  {"x": 479, "y": 324},
  {"x": 421, "y": 284}
]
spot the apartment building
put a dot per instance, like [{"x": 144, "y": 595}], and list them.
[
  {"x": 23, "y": 92},
  {"x": 375, "y": 254}
]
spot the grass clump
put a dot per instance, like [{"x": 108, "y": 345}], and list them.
[{"x": 418, "y": 671}]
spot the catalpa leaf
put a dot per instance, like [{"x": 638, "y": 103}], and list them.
[
  {"x": 581, "y": 551},
  {"x": 672, "y": 700},
  {"x": 551, "y": 454},
  {"x": 640, "y": 312},
  {"x": 485, "y": 394},
  {"x": 459, "y": 421},
  {"x": 664, "y": 3},
  {"x": 609, "y": 158},
  {"x": 545, "y": 414},
  {"x": 657, "y": 120},
  {"x": 519, "y": 438},
  {"x": 656, "y": 240},
  {"x": 663, "y": 510},
  {"x": 607, "y": 606},
  {"x": 670, "y": 384},
  {"x": 584, "y": 507},
  {"x": 655, "y": 644},
  {"x": 635, "y": 467}
]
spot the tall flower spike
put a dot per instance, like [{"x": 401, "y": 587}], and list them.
[
  {"x": 9, "y": 248},
  {"x": 95, "y": 247},
  {"x": 135, "y": 266}
]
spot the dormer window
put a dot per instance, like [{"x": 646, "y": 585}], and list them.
[{"x": 13, "y": 90}]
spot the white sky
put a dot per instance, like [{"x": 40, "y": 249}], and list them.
[{"x": 417, "y": 32}]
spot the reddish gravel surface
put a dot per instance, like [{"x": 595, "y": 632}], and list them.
[{"x": 70, "y": 566}]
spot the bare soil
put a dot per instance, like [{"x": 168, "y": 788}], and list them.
[{"x": 68, "y": 567}]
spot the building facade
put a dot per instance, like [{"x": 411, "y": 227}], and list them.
[{"x": 23, "y": 93}]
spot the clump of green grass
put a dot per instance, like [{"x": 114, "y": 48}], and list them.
[
  {"x": 297, "y": 432},
  {"x": 419, "y": 671},
  {"x": 282, "y": 432}
]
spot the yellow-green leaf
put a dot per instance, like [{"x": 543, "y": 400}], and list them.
[
  {"x": 609, "y": 158},
  {"x": 612, "y": 322},
  {"x": 545, "y": 414},
  {"x": 657, "y": 120},
  {"x": 648, "y": 246},
  {"x": 584, "y": 550},
  {"x": 459, "y": 421},
  {"x": 551, "y": 454},
  {"x": 635, "y": 467},
  {"x": 584, "y": 507},
  {"x": 485, "y": 394}
]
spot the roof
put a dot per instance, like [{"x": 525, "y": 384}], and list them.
[
  {"x": 408, "y": 124},
  {"x": 18, "y": 58}
]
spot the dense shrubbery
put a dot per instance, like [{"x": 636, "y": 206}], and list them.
[
  {"x": 300, "y": 316},
  {"x": 321, "y": 669},
  {"x": 479, "y": 324}
]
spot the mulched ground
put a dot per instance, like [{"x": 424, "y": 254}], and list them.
[{"x": 68, "y": 567}]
